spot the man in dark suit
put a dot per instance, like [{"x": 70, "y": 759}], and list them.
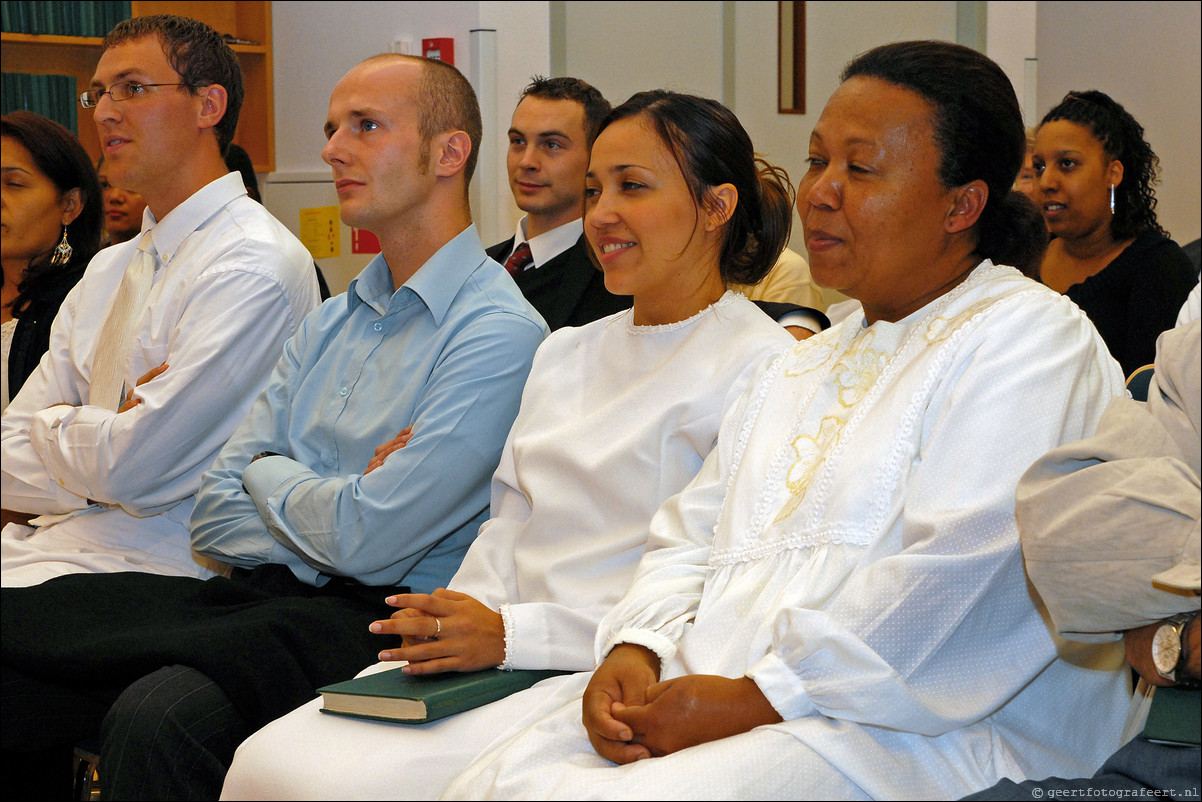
[{"x": 550, "y": 136}]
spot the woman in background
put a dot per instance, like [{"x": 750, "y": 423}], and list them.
[
  {"x": 1109, "y": 254},
  {"x": 1028, "y": 182},
  {"x": 49, "y": 231},
  {"x": 122, "y": 209}
]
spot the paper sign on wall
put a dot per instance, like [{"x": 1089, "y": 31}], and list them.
[
  {"x": 364, "y": 241},
  {"x": 319, "y": 231}
]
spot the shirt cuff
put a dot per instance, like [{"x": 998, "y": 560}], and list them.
[
  {"x": 44, "y": 428},
  {"x": 264, "y": 476},
  {"x": 268, "y": 481},
  {"x": 664, "y": 648},
  {"x": 782, "y": 688}
]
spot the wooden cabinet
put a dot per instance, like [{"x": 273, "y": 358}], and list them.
[{"x": 77, "y": 56}]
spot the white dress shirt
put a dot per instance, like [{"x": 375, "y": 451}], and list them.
[
  {"x": 547, "y": 245},
  {"x": 231, "y": 284}
]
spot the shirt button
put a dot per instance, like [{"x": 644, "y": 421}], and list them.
[
  {"x": 343, "y": 392},
  {"x": 378, "y": 327}
]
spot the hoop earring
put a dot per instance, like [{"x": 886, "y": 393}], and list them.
[
  {"x": 62, "y": 253},
  {"x": 1112, "y": 200}
]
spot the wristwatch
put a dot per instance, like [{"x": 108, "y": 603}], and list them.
[{"x": 1169, "y": 647}]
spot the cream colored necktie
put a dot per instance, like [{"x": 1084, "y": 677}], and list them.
[{"x": 108, "y": 367}]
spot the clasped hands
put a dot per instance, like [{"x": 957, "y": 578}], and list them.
[
  {"x": 630, "y": 715},
  {"x": 443, "y": 631}
]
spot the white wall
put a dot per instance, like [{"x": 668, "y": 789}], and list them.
[
  {"x": 1147, "y": 57},
  {"x": 316, "y": 43},
  {"x": 627, "y": 47},
  {"x": 1010, "y": 27},
  {"x": 835, "y": 33},
  {"x": 523, "y": 51}
]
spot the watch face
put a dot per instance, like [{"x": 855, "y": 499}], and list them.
[{"x": 1166, "y": 649}]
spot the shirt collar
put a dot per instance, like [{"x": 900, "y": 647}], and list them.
[
  {"x": 169, "y": 233},
  {"x": 436, "y": 283},
  {"x": 549, "y": 244}
]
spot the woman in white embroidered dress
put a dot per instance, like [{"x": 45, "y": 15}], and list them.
[
  {"x": 836, "y": 607},
  {"x": 616, "y": 416}
]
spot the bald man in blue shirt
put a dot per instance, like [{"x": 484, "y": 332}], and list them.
[{"x": 363, "y": 468}]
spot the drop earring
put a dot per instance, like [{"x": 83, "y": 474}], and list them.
[
  {"x": 1112, "y": 200},
  {"x": 62, "y": 253}
]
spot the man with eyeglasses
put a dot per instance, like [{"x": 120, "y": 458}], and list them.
[{"x": 159, "y": 351}]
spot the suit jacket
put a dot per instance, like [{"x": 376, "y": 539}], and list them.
[{"x": 569, "y": 290}]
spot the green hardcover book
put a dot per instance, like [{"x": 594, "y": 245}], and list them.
[
  {"x": 393, "y": 695},
  {"x": 1175, "y": 717}
]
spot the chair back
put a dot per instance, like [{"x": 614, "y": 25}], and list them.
[{"x": 1138, "y": 381}]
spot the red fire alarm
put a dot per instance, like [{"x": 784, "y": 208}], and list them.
[
  {"x": 441, "y": 49},
  {"x": 364, "y": 241}
]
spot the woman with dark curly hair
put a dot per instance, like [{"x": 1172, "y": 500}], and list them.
[
  {"x": 51, "y": 230},
  {"x": 1110, "y": 254}
]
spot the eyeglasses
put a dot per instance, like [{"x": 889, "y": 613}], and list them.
[{"x": 118, "y": 92}]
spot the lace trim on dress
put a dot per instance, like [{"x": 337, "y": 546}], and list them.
[
  {"x": 729, "y": 297},
  {"x": 827, "y": 536},
  {"x": 507, "y": 664}
]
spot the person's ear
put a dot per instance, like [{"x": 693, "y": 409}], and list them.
[
  {"x": 720, "y": 203},
  {"x": 72, "y": 205},
  {"x": 1114, "y": 173},
  {"x": 213, "y": 103},
  {"x": 968, "y": 202},
  {"x": 452, "y": 149}
]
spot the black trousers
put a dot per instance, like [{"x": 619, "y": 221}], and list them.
[
  {"x": 170, "y": 735},
  {"x": 172, "y": 672}
]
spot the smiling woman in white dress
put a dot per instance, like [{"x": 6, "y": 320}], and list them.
[
  {"x": 616, "y": 417},
  {"x": 836, "y": 606}
]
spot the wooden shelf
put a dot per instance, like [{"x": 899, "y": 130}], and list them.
[
  {"x": 41, "y": 54},
  {"x": 48, "y": 39}
]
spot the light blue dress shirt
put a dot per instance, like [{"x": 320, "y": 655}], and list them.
[{"x": 448, "y": 353}]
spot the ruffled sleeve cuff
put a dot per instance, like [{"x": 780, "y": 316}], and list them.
[
  {"x": 782, "y": 688},
  {"x": 664, "y": 648},
  {"x": 507, "y": 620}
]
